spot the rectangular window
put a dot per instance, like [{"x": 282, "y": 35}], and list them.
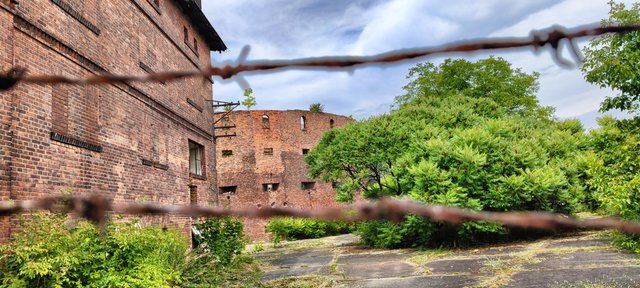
[
  {"x": 228, "y": 189},
  {"x": 268, "y": 151},
  {"x": 305, "y": 151},
  {"x": 307, "y": 185},
  {"x": 186, "y": 36},
  {"x": 269, "y": 187},
  {"x": 195, "y": 159},
  {"x": 226, "y": 153}
]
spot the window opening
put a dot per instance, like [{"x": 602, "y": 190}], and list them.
[
  {"x": 269, "y": 187},
  {"x": 195, "y": 45},
  {"x": 330, "y": 123},
  {"x": 228, "y": 189},
  {"x": 307, "y": 185},
  {"x": 268, "y": 151},
  {"x": 186, "y": 35},
  {"x": 195, "y": 158},
  {"x": 303, "y": 123},
  {"x": 305, "y": 151},
  {"x": 265, "y": 121},
  {"x": 226, "y": 153}
]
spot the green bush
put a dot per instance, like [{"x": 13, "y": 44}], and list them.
[
  {"x": 295, "y": 228},
  {"x": 46, "y": 252},
  {"x": 222, "y": 237}
]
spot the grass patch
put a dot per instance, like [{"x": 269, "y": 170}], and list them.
[
  {"x": 428, "y": 255},
  {"x": 309, "y": 281}
]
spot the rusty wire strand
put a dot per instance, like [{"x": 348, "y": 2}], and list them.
[
  {"x": 551, "y": 36},
  {"x": 96, "y": 208}
]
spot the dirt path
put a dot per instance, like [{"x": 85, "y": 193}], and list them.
[{"x": 580, "y": 260}]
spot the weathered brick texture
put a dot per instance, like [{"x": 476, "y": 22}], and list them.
[
  {"x": 249, "y": 168},
  {"x": 131, "y": 123}
]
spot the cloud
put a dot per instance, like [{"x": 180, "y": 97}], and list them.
[{"x": 282, "y": 29}]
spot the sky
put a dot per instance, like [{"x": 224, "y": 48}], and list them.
[{"x": 285, "y": 29}]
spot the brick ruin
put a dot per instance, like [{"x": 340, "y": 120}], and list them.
[
  {"x": 121, "y": 139},
  {"x": 263, "y": 165}
]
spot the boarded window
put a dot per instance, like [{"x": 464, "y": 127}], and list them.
[
  {"x": 268, "y": 151},
  {"x": 226, "y": 153},
  {"x": 307, "y": 185},
  {"x": 195, "y": 158},
  {"x": 193, "y": 195}
]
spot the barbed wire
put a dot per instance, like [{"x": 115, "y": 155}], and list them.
[
  {"x": 97, "y": 208},
  {"x": 537, "y": 39}
]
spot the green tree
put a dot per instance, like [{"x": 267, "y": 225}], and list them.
[
  {"x": 492, "y": 78},
  {"x": 249, "y": 100},
  {"x": 613, "y": 60},
  {"x": 455, "y": 149},
  {"x": 316, "y": 107}
]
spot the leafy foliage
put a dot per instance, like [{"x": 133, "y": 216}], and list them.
[
  {"x": 491, "y": 78},
  {"x": 612, "y": 60},
  {"x": 461, "y": 150},
  {"x": 222, "y": 237},
  {"x": 316, "y": 108},
  {"x": 46, "y": 252},
  {"x": 249, "y": 101},
  {"x": 295, "y": 228}
]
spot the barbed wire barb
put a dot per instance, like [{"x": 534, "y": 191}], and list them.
[{"x": 537, "y": 39}]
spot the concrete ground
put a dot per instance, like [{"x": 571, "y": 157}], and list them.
[{"x": 579, "y": 260}]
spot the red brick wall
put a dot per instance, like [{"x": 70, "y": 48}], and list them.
[
  {"x": 249, "y": 168},
  {"x": 130, "y": 122}
]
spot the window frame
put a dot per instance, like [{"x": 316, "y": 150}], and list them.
[{"x": 197, "y": 160}]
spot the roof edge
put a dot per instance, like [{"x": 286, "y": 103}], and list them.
[{"x": 193, "y": 11}]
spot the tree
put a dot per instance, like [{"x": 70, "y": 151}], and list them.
[
  {"x": 249, "y": 100},
  {"x": 613, "y": 60},
  {"x": 492, "y": 78},
  {"x": 455, "y": 148},
  {"x": 316, "y": 107}
]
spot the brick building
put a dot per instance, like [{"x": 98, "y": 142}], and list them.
[
  {"x": 263, "y": 165},
  {"x": 130, "y": 141}
]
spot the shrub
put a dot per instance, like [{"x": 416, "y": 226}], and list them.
[
  {"x": 221, "y": 237},
  {"x": 294, "y": 229},
  {"x": 46, "y": 253}
]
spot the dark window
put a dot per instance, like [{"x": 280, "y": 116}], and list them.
[
  {"x": 228, "y": 189},
  {"x": 195, "y": 158},
  {"x": 330, "y": 123},
  {"x": 307, "y": 185},
  {"x": 186, "y": 36},
  {"x": 305, "y": 151},
  {"x": 265, "y": 121},
  {"x": 268, "y": 151},
  {"x": 226, "y": 153},
  {"x": 269, "y": 187},
  {"x": 303, "y": 123},
  {"x": 335, "y": 185},
  {"x": 195, "y": 45},
  {"x": 193, "y": 194}
]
